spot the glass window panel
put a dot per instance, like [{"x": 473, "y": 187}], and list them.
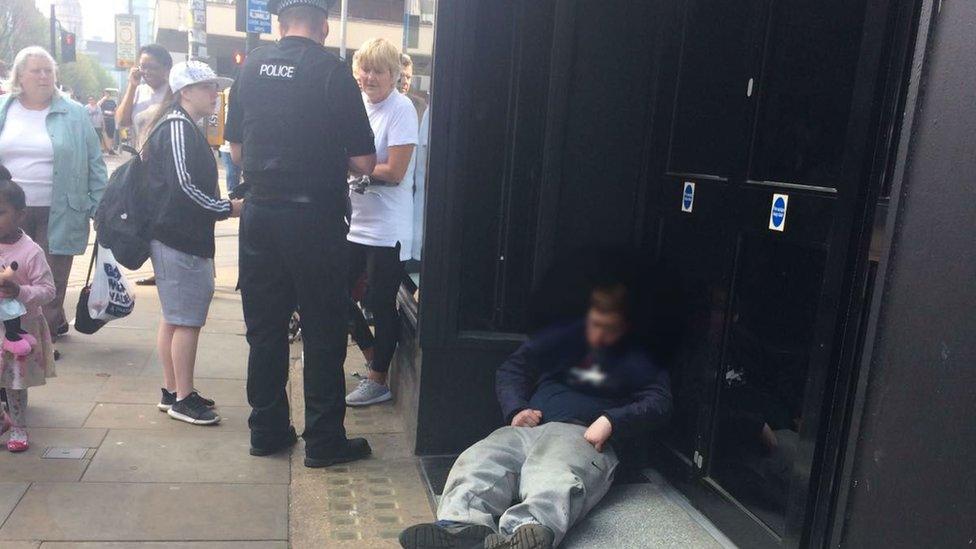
[
  {"x": 710, "y": 110},
  {"x": 760, "y": 410},
  {"x": 807, "y": 85}
]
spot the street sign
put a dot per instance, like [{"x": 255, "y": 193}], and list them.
[
  {"x": 258, "y": 16},
  {"x": 126, "y": 41}
]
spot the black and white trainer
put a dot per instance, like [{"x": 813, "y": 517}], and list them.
[
  {"x": 193, "y": 409},
  {"x": 168, "y": 399}
]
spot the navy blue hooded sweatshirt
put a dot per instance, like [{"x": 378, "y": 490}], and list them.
[{"x": 557, "y": 373}]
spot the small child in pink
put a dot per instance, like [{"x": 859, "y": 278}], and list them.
[{"x": 32, "y": 285}]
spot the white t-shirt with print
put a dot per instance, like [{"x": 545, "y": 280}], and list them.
[{"x": 383, "y": 216}]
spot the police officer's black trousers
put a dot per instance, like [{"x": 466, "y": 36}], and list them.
[{"x": 295, "y": 254}]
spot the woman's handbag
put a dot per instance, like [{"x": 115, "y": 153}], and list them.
[{"x": 84, "y": 323}]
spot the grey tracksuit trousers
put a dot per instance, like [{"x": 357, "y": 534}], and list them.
[{"x": 548, "y": 475}]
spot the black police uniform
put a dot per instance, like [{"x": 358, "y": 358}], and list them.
[{"x": 299, "y": 116}]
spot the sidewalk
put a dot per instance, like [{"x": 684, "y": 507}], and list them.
[{"x": 107, "y": 469}]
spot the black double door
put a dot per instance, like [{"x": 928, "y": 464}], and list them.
[{"x": 762, "y": 124}]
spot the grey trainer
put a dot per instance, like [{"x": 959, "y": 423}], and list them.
[{"x": 368, "y": 392}]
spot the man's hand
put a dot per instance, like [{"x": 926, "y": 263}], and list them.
[
  {"x": 236, "y": 206},
  {"x": 599, "y": 432},
  {"x": 527, "y": 418}
]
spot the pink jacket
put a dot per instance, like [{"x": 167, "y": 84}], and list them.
[{"x": 33, "y": 273}]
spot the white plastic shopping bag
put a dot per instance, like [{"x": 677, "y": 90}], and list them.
[{"x": 112, "y": 295}]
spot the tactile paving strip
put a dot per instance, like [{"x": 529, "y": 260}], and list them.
[{"x": 363, "y": 504}]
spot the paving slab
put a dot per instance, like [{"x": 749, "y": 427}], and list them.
[
  {"x": 165, "y": 545},
  {"x": 146, "y": 389},
  {"x": 147, "y": 416},
  {"x": 105, "y": 354},
  {"x": 10, "y": 494},
  {"x": 205, "y": 455},
  {"x": 29, "y": 466},
  {"x": 57, "y": 414},
  {"x": 21, "y": 544},
  {"x": 149, "y": 512},
  {"x": 69, "y": 388}
]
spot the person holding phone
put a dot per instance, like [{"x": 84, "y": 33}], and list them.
[
  {"x": 147, "y": 91},
  {"x": 148, "y": 88}
]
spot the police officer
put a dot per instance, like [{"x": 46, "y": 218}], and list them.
[{"x": 297, "y": 126}]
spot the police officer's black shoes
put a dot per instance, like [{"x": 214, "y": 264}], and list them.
[
  {"x": 355, "y": 448},
  {"x": 444, "y": 535},
  {"x": 290, "y": 439}
]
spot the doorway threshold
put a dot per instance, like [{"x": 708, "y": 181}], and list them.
[{"x": 641, "y": 510}]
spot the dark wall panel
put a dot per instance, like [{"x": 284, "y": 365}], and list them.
[
  {"x": 457, "y": 405},
  {"x": 914, "y": 483},
  {"x": 611, "y": 93}
]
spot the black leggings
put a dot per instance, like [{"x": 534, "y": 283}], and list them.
[{"x": 384, "y": 272}]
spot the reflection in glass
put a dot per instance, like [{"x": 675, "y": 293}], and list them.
[
  {"x": 760, "y": 413},
  {"x": 416, "y": 84}
]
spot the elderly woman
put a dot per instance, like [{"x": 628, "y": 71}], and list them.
[
  {"x": 381, "y": 225},
  {"x": 51, "y": 149}
]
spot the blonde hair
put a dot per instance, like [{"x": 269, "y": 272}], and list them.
[
  {"x": 405, "y": 61},
  {"x": 12, "y": 85},
  {"x": 378, "y": 54}
]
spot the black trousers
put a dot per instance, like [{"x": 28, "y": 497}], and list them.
[
  {"x": 295, "y": 254},
  {"x": 384, "y": 272}
]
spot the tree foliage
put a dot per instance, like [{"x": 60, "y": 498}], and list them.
[
  {"x": 85, "y": 77},
  {"x": 21, "y": 25}
]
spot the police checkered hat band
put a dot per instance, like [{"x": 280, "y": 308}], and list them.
[{"x": 277, "y": 6}]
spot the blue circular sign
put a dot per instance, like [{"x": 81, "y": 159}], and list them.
[{"x": 779, "y": 212}]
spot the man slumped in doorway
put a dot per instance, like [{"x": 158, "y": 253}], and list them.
[{"x": 569, "y": 395}]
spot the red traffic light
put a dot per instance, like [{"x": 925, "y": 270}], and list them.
[
  {"x": 69, "y": 38},
  {"x": 239, "y": 57}
]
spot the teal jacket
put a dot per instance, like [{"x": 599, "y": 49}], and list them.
[{"x": 80, "y": 176}]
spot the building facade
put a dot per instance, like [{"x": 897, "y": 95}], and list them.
[{"x": 799, "y": 168}]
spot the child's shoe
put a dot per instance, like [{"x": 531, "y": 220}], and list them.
[
  {"x": 19, "y": 348},
  {"x": 18, "y": 441}
]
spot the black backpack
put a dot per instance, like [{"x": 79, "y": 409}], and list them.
[{"x": 124, "y": 217}]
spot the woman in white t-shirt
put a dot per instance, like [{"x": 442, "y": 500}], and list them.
[
  {"x": 381, "y": 225},
  {"x": 50, "y": 147}
]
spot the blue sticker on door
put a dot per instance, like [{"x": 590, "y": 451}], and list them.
[
  {"x": 777, "y": 212},
  {"x": 688, "y": 197}
]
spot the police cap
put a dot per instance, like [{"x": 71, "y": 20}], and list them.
[{"x": 277, "y": 6}]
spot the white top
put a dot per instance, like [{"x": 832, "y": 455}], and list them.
[
  {"x": 383, "y": 216},
  {"x": 142, "y": 108},
  {"x": 26, "y": 150}
]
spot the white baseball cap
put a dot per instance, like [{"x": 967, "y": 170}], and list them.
[{"x": 195, "y": 72}]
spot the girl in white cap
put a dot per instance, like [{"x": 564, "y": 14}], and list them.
[{"x": 183, "y": 175}]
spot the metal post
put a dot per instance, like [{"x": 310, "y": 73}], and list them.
[
  {"x": 343, "y": 20},
  {"x": 54, "y": 33},
  {"x": 251, "y": 41}
]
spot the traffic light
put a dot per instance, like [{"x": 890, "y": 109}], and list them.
[
  {"x": 239, "y": 58},
  {"x": 67, "y": 47}
]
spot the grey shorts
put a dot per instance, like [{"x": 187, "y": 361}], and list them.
[{"x": 185, "y": 283}]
